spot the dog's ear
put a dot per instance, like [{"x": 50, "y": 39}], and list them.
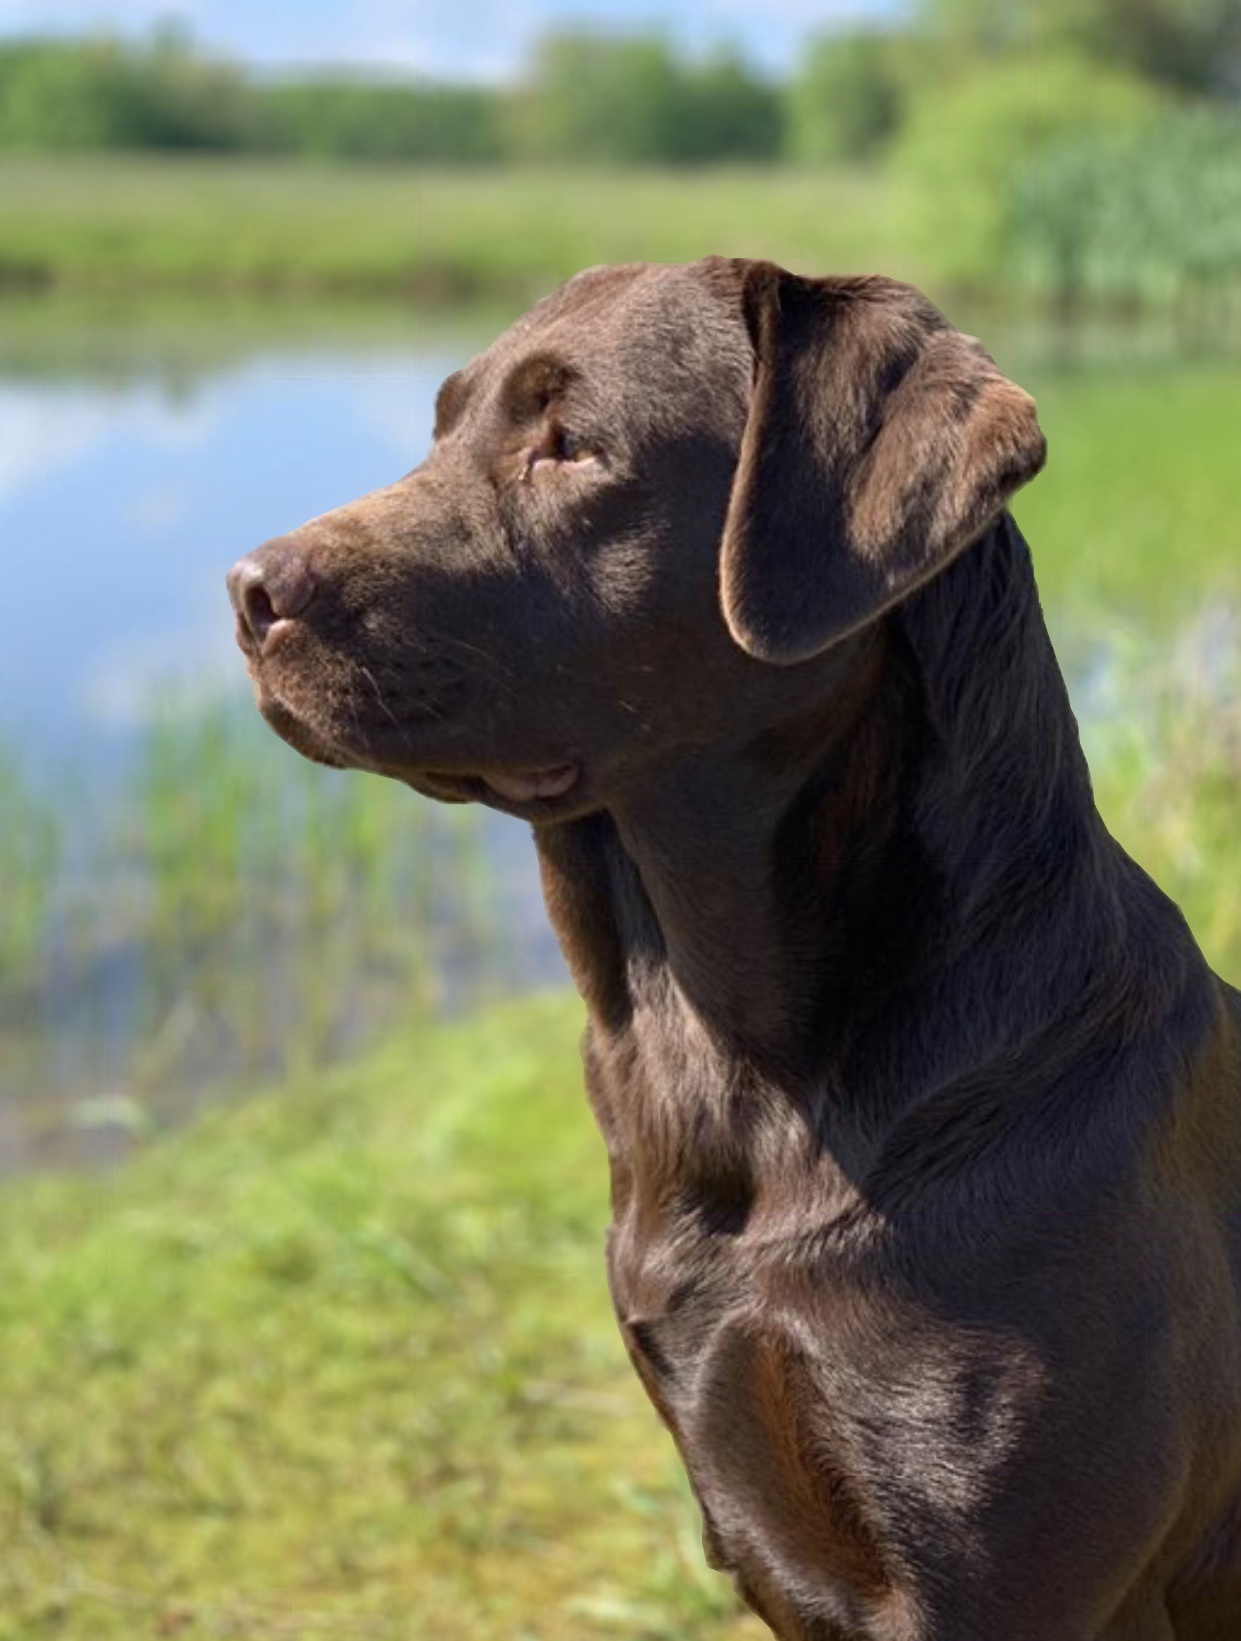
[{"x": 880, "y": 442}]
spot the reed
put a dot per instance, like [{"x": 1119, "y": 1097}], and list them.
[
  {"x": 29, "y": 863},
  {"x": 224, "y": 911}
]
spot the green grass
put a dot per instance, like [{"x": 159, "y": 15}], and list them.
[
  {"x": 340, "y": 1362},
  {"x": 1135, "y": 520},
  {"x": 146, "y": 224}
]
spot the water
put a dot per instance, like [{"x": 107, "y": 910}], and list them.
[
  {"x": 124, "y": 497},
  {"x": 188, "y": 908},
  {"x": 121, "y": 507}
]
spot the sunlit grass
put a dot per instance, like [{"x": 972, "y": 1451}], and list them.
[
  {"x": 342, "y": 1362},
  {"x": 1135, "y": 521},
  {"x": 215, "y": 225}
]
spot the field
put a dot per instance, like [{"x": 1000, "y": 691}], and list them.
[
  {"x": 341, "y": 1363},
  {"x": 201, "y": 225}
]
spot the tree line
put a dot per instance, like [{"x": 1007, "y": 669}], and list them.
[{"x": 606, "y": 99}]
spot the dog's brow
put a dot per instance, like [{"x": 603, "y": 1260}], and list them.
[
  {"x": 450, "y": 401},
  {"x": 534, "y": 384}
]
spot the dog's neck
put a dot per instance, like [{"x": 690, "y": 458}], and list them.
[{"x": 822, "y": 900}]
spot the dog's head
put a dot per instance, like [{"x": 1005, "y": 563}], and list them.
[{"x": 656, "y": 503}]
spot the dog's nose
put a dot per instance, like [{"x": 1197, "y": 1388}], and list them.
[{"x": 273, "y": 583}]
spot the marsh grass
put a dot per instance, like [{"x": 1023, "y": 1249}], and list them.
[
  {"x": 1168, "y": 776},
  {"x": 215, "y": 226},
  {"x": 1134, "y": 524},
  {"x": 220, "y": 911},
  {"x": 29, "y": 861},
  {"x": 1106, "y": 224}
]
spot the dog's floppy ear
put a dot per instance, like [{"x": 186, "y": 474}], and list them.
[{"x": 879, "y": 443}]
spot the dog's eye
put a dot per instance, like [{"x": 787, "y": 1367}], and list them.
[
  {"x": 569, "y": 447},
  {"x": 561, "y": 448}
]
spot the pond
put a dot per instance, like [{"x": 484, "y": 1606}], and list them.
[{"x": 184, "y": 899}]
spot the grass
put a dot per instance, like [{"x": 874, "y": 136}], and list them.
[
  {"x": 340, "y": 1363},
  {"x": 191, "y": 224},
  {"x": 1135, "y": 520}
]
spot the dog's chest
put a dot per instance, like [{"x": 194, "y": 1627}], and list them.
[
  {"x": 814, "y": 1410},
  {"x": 696, "y": 1257}
]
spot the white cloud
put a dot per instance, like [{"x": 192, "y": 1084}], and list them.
[{"x": 44, "y": 431}]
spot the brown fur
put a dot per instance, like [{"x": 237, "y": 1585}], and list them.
[{"x": 922, "y": 1108}]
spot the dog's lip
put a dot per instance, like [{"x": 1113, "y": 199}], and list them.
[
  {"x": 529, "y": 793},
  {"x": 525, "y": 785}
]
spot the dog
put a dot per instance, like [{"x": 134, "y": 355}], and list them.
[{"x": 922, "y": 1108}]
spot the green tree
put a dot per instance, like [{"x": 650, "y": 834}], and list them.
[
  {"x": 352, "y": 120},
  {"x": 633, "y": 101},
  {"x": 1194, "y": 45},
  {"x": 847, "y": 97},
  {"x": 101, "y": 94},
  {"x": 597, "y": 99},
  {"x": 728, "y": 113}
]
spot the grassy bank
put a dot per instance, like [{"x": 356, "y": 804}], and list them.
[
  {"x": 205, "y": 225},
  {"x": 341, "y": 1363}
]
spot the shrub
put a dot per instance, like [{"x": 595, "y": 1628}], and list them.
[
  {"x": 1155, "y": 215},
  {"x": 966, "y": 145}
]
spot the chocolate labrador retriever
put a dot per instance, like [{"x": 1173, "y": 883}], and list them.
[{"x": 922, "y": 1107}]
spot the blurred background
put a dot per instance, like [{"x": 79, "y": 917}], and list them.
[{"x": 302, "y": 1320}]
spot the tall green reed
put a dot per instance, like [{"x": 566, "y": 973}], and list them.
[
  {"x": 29, "y": 862},
  {"x": 288, "y": 906},
  {"x": 1167, "y": 770},
  {"x": 217, "y": 911}
]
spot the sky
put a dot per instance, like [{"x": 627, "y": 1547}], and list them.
[{"x": 473, "y": 39}]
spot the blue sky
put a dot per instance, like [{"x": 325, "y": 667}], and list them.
[{"x": 483, "y": 39}]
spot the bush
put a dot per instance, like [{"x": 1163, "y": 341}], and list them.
[
  {"x": 1156, "y": 215},
  {"x": 966, "y": 146}
]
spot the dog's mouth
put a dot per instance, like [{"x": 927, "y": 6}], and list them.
[
  {"x": 529, "y": 793},
  {"x": 524, "y": 786}
]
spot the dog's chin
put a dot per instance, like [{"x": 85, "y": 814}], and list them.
[
  {"x": 531, "y": 792},
  {"x": 299, "y": 734}
]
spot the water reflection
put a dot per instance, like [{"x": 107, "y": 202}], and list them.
[
  {"x": 188, "y": 904},
  {"x": 189, "y": 907}
]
